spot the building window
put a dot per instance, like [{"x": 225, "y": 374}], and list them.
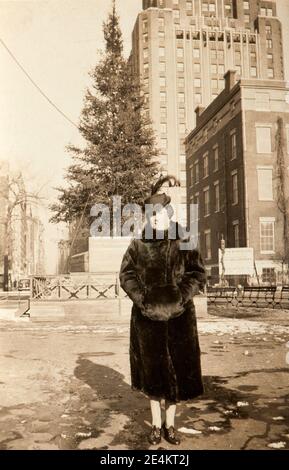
[
  {"x": 267, "y": 235},
  {"x": 216, "y": 158},
  {"x": 253, "y": 71},
  {"x": 206, "y": 202},
  {"x": 270, "y": 73},
  {"x": 182, "y": 113},
  {"x": 145, "y": 37},
  {"x": 263, "y": 139},
  {"x": 236, "y": 233},
  {"x": 145, "y": 24},
  {"x": 213, "y": 53},
  {"x": 163, "y": 113},
  {"x": 163, "y": 81},
  {"x": 162, "y": 52},
  {"x": 180, "y": 52},
  {"x": 176, "y": 15},
  {"x": 246, "y": 5},
  {"x": 161, "y": 23},
  {"x": 214, "y": 83},
  {"x": 265, "y": 183},
  {"x": 192, "y": 176},
  {"x": 197, "y": 172},
  {"x": 198, "y": 98},
  {"x": 268, "y": 29},
  {"x": 235, "y": 192},
  {"x": 175, "y": 2},
  {"x": 189, "y": 5},
  {"x": 181, "y": 97},
  {"x": 162, "y": 66},
  {"x": 197, "y": 67},
  {"x": 238, "y": 69},
  {"x": 163, "y": 128},
  {"x": 217, "y": 196},
  {"x": 180, "y": 67},
  {"x": 221, "y": 69},
  {"x": 269, "y": 43},
  {"x": 145, "y": 53},
  {"x": 205, "y": 7},
  {"x": 212, "y": 7},
  {"x": 269, "y": 276},
  {"x": 206, "y": 165},
  {"x": 163, "y": 96},
  {"x": 146, "y": 68},
  {"x": 161, "y": 35},
  {"x": 270, "y": 56},
  {"x": 214, "y": 68},
  {"x": 253, "y": 56},
  {"x": 208, "y": 251},
  {"x": 182, "y": 128},
  {"x": 233, "y": 145},
  {"x": 183, "y": 176},
  {"x": 197, "y": 83},
  {"x": 181, "y": 82},
  {"x": 196, "y": 53},
  {"x": 164, "y": 144},
  {"x": 220, "y": 55}
]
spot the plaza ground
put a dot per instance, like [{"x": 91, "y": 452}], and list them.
[{"x": 64, "y": 382}]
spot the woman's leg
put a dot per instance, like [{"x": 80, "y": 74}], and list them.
[
  {"x": 156, "y": 412},
  {"x": 170, "y": 413}
]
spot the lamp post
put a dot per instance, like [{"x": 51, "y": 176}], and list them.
[{"x": 223, "y": 247}]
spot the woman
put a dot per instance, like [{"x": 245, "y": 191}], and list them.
[{"x": 161, "y": 280}]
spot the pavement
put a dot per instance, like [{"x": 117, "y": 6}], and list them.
[{"x": 65, "y": 382}]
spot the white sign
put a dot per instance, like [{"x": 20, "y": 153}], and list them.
[
  {"x": 237, "y": 261},
  {"x": 105, "y": 253}
]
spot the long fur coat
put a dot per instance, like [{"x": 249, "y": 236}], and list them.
[{"x": 161, "y": 280}]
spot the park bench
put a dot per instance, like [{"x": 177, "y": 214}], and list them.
[
  {"x": 283, "y": 300},
  {"x": 257, "y": 296},
  {"x": 221, "y": 295}
]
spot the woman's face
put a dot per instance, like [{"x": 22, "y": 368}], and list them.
[{"x": 160, "y": 220}]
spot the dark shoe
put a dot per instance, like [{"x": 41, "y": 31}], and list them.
[
  {"x": 154, "y": 436},
  {"x": 170, "y": 435}
]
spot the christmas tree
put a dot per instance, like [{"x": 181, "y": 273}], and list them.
[{"x": 119, "y": 155}]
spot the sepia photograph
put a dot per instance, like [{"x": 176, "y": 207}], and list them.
[{"x": 144, "y": 228}]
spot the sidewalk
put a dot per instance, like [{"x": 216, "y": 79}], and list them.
[{"x": 65, "y": 385}]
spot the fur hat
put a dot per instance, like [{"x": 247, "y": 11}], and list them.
[{"x": 161, "y": 199}]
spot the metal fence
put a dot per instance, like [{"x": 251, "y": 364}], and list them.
[{"x": 89, "y": 287}]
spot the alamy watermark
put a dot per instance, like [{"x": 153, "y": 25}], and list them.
[{"x": 128, "y": 221}]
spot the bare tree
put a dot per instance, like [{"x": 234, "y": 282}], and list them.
[
  {"x": 282, "y": 191},
  {"x": 13, "y": 196}
]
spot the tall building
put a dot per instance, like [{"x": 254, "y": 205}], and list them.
[
  {"x": 181, "y": 50},
  {"x": 238, "y": 171}
]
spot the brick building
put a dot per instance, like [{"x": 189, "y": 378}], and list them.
[
  {"x": 234, "y": 170},
  {"x": 181, "y": 50}
]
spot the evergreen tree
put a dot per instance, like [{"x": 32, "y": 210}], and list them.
[{"x": 118, "y": 158}]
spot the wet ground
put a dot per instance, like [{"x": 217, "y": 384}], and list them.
[{"x": 64, "y": 384}]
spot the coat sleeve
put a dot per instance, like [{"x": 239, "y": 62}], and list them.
[
  {"x": 128, "y": 275},
  {"x": 195, "y": 277}
]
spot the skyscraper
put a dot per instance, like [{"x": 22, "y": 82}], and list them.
[{"x": 181, "y": 50}]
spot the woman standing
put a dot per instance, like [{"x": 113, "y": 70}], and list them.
[{"x": 161, "y": 280}]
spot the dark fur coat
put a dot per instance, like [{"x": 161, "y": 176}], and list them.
[{"x": 161, "y": 280}]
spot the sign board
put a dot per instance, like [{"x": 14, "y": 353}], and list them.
[
  {"x": 105, "y": 253},
  {"x": 237, "y": 261}
]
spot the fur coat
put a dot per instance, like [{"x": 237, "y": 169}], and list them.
[{"x": 162, "y": 280}]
